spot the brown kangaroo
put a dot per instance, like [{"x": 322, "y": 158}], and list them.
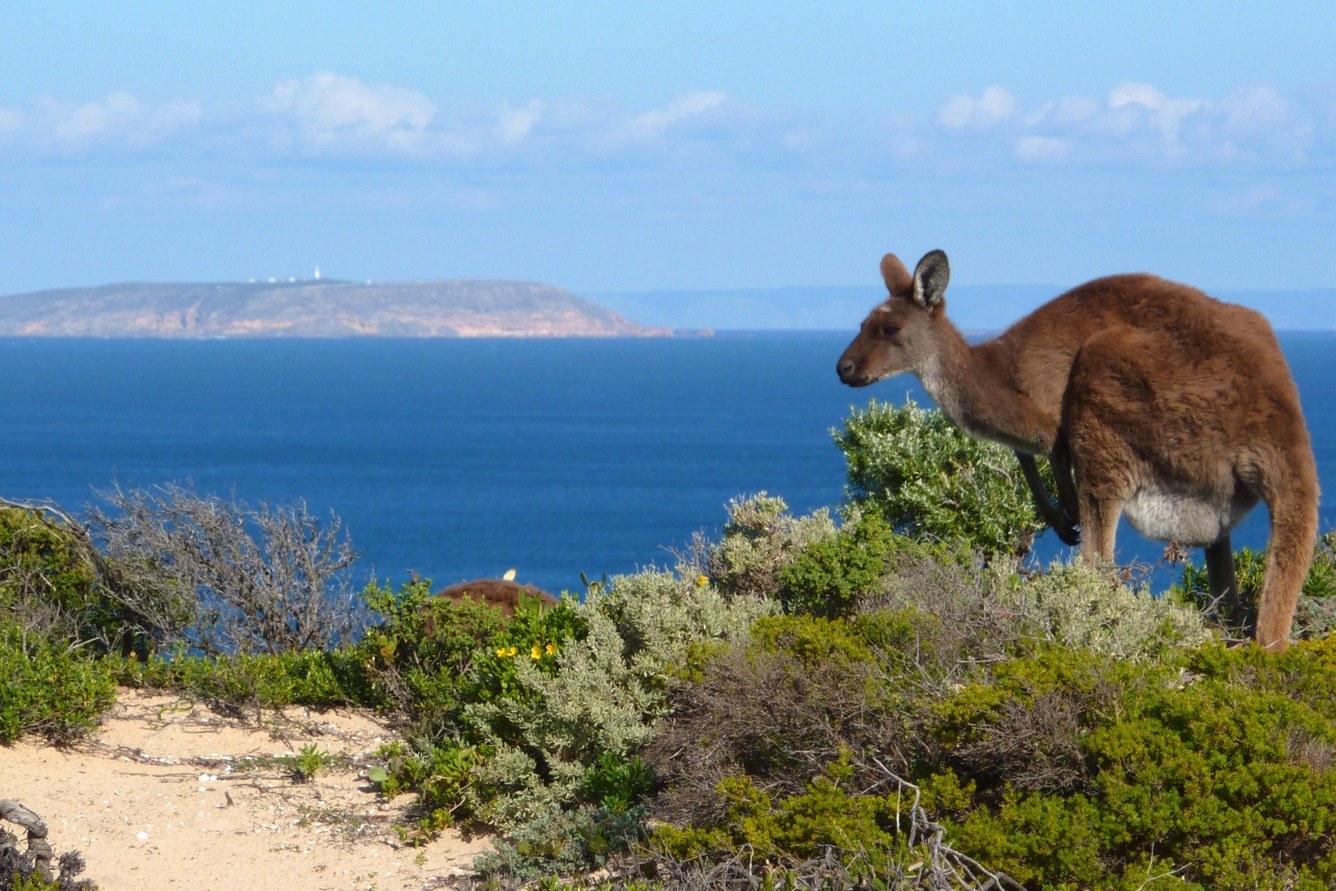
[
  {"x": 1152, "y": 399},
  {"x": 503, "y": 594}
]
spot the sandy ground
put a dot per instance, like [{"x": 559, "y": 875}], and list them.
[{"x": 170, "y": 795}]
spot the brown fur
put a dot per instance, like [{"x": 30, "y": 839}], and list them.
[
  {"x": 1163, "y": 403},
  {"x": 500, "y": 593}
]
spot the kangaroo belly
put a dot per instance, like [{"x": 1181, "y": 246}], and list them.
[{"x": 1190, "y": 517}]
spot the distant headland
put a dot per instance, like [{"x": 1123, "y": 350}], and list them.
[{"x": 314, "y": 308}]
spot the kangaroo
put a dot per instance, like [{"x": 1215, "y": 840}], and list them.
[{"x": 1152, "y": 399}]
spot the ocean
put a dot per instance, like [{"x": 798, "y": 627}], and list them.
[{"x": 458, "y": 459}]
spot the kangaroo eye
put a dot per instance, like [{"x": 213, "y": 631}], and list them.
[{"x": 889, "y": 331}]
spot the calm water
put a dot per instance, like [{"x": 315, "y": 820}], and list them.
[{"x": 463, "y": 458}]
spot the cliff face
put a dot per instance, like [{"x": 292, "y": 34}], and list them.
[{"x": 314, "y": 309}]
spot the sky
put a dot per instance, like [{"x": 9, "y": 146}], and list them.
[{"x": 643, "y": 146}]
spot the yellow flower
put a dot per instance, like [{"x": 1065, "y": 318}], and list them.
[
  {"x": 551, "y": 649},
  {"x": 536, "y": 652},
  {"x": 513, "y": 651},
  {"x": 501, "y": 651},
  {"x": 702, "y": 581}
]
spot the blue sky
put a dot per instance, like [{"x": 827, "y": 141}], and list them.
[{"x": 623, "y": 147}]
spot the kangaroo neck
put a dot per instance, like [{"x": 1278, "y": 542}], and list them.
[
  {"x": 976, "y": 391},
  {"x": 949, "y": 376}
]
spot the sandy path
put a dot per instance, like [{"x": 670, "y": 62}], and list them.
[{"x": 169, "y": 795}]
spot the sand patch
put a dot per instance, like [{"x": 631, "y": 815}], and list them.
[{"x": 168, "y": 794}]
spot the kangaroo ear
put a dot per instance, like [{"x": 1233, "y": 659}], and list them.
[
  {"x": 930, "y": 278},
  {"x": 896, "y": 276}
]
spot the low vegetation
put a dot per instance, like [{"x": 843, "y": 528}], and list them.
[{"x": 887, "y": 697}]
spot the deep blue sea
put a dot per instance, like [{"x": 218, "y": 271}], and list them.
[{"x": 457, "y": 459}]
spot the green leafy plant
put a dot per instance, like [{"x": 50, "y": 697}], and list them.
[
  {"x": 932, "y": 480},
  {"x": 759, "y": 540},
  {"x": 828, "y": 577},
  {"x": 50, "y": 689},
  {"x": 52, "y": 582},
  {"x": 309, "y": 761},
  {"x": 1218, "y": 772}
]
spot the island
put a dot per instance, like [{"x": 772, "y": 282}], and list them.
[{"x": 314, "y": 308}]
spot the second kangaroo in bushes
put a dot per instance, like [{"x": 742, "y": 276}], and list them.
[{"x": 1152, "y": 399}]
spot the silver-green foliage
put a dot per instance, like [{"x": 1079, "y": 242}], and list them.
[
  {"x": 1077, "y": 606},
  {"x": 760, "y": 538},
  {"x": 932, "y": 480},
  {"x": 996, "y": 610},
  {"x": 606, "y": 694}
]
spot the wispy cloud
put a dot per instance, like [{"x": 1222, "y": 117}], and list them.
[
  {"x": 327, "y": 114},
  {"x": 1138, "y": 124},
  {"x": 119, "y": 122},
  {"x": 328, "y": 111},
  {"x": 685, "y": 108},
  {"x": 994, "y": 106}
]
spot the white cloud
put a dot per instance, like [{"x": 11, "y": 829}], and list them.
[
  {"x": 684, "y": 108},
  {"x": 331, "y": 111},
  {"x": 119, "y": 122},
  {"x": 514, "y": 125},
  {"x": 993, "y": 106},
  {"x": 1138, "y": 124}
]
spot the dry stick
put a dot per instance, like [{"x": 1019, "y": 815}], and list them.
[
  {"x": 944, "y": 858},
  {"x": 37, "y": 844}
]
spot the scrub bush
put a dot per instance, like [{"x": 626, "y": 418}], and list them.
[
  {"x": 1218, "y": 775},
  {"x": 828, "y": 577},
  {"x": 759, "y": 540},
  {"x": 599, "y": 695},
  {"x": 1316, "y": 612},
  {"x": 50, "y": 689},
  {"x": 53, "y": 582},
  {"x": 932, "y": 480}
]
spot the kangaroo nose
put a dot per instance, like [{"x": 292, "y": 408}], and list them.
[{"x": 844, "y": 368}]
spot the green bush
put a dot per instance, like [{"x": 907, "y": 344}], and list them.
[
  {"x": 801, "y": 693},
  {"x": 932, "y": 480},
  {"x": 49, "y": 584},
  {"x": 759, "y": 540},
  {"x": 49, "y": 689},
  {"x": 598, "y": 695},
  {"x": 421, "y": 654},
  {"x": 829, "y": 576},
  {"x": 1074, "y": 605},
  {"x": 1219, "y": 774},
  {"x": 1316, "y": 612},
  {"x": 313, "y": 678}
]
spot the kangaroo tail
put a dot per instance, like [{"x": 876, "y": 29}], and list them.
[{"x": 1293, "y": 533}]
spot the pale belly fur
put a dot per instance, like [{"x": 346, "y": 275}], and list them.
[{"x": 1191, "y": 518}]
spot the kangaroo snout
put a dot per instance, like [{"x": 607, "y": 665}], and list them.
[{"x": 847, "y": 369}]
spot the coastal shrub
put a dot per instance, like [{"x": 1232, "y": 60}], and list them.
[
  {"x": 1315, "y": 615},
  {"x": 1077, "y": 606},
  {"x": 252, "y": 579},
  {"x": 51, "y": 584},
  {"x": 931, "y": 480},
  {"x": 828, "y": 576},
  {"x": 800, "y": 694},
  {"x": 760, "y": 538},
  {"x": 50, "y": 689},
  {"x": 427, "y": 675},
  {"x": 313, "y": 678},
  {"x": 993, "y": 611},
  {"x": 597, "y": 695},
  {"x": 1219, "y": 775},
  {"x": 562, "y": 843}
]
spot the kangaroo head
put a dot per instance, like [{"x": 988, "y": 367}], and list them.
[{"x": 900, "y": 334}]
